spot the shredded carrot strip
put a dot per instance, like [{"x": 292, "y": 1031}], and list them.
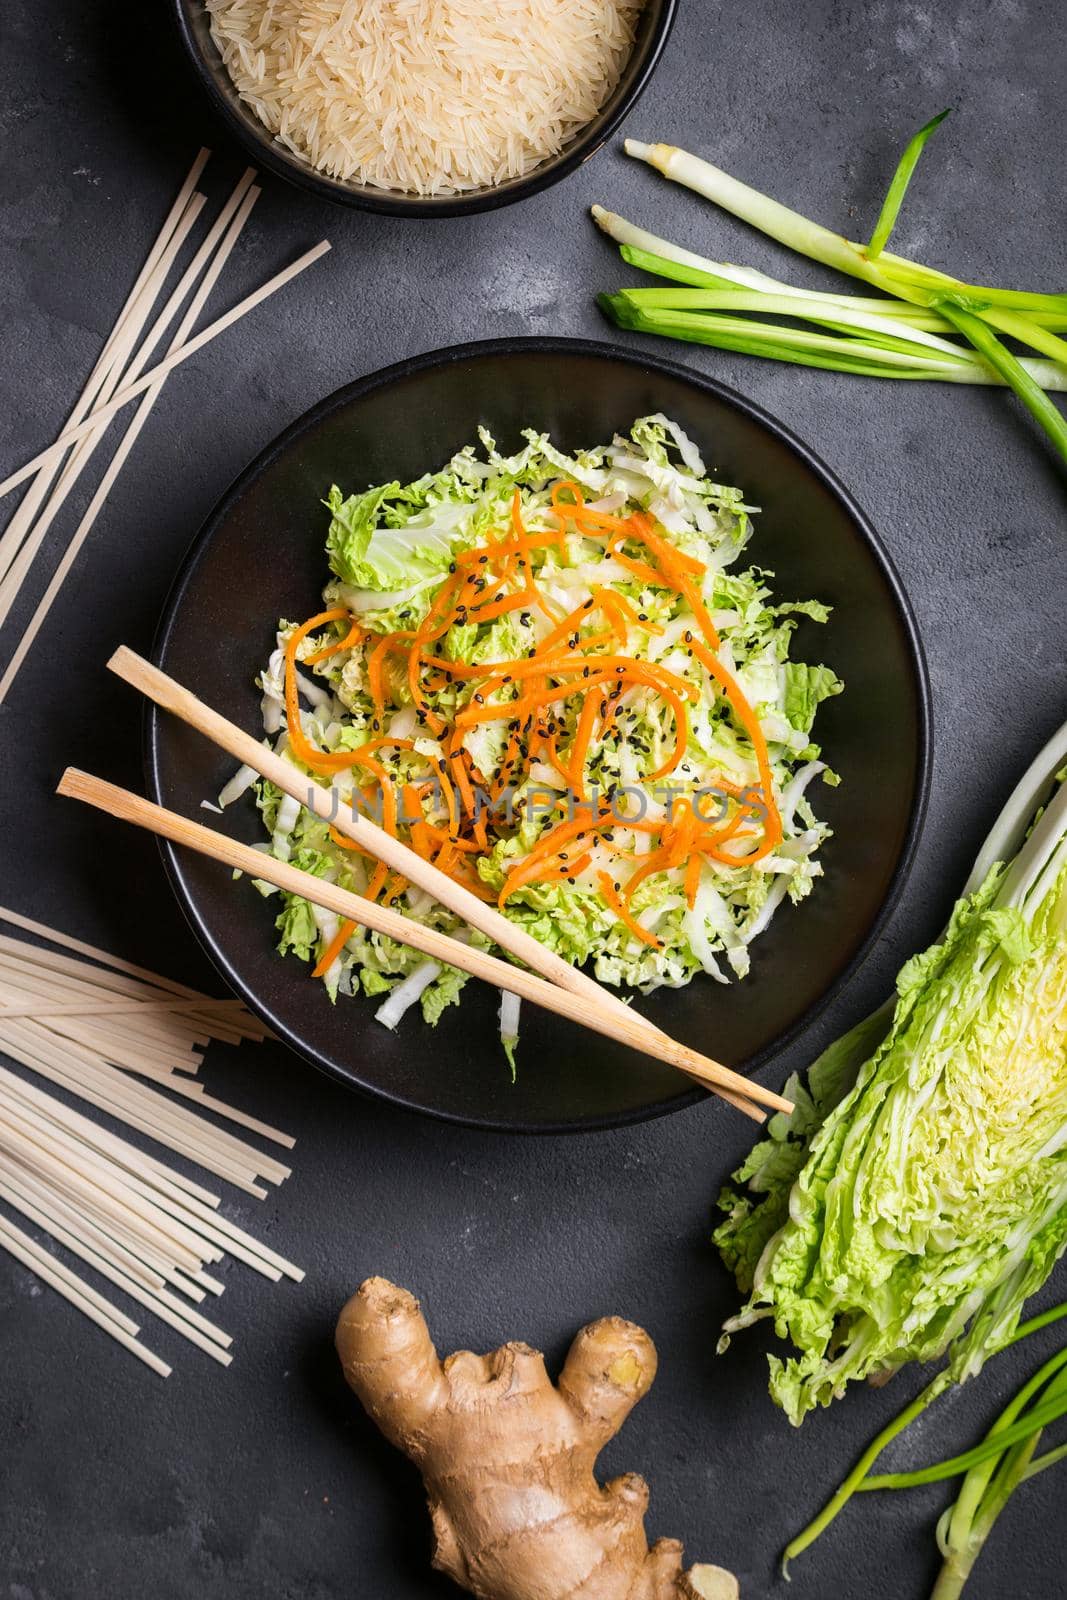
[
  {"x": 626, "y": 608},
  {"x": 351, "y": 638},
  {"x": 333, "y": 949},
  {"x": 563, "y": 871},
  {"x": 549, "y": 749},
  {"x": 466, "y": 669},
  {"x": 396, "y": 888},
  {"x": 466, "y": 846},
  {"x": 654, "y": 862},
  {"x": 376, "y": 667},
  {"x": 701, "y": 612},
  {"x": 642, "y": 570},
  {"x": 681, "y": 735},
  {"x": 459, "y": 871},
  {"x": 673, "y": 561},
  {"x": 459, "y": 772},
  {"x": 692, "y": 880},
  {"x": 602, "y": 669},
  {"x": 707, "y": 843},
  {"x": 447, "y": 792},
  {"x": 563, "y": 630},
  {"x": 303, "y": 749},
  {"x": 566, "y": 507},
  {"x": 636, "y": 825},
  {"x": 679, "y": 833},
  {"x": 588, "y": 518},
  {"x": 749, "y": 721},
  {"x": 524, "y": 555},
  {"x": 412, "y": 804},
  {"x": 582, "y": 735},
  {"x": 415, "y": 680},
  {"x": 438, "y": 618},
  {"x": 473, "y": 715},
  {"x": 463, "y": 784},
  {"x": 386, "y": 783},
  {"x": 446, "y": 857},
  {"x": 422, "y": 840},
  {"x": 510, "y": 756},
  {"x": 345, "y": 843},
  {"x": 610, "y": 893},
  {"x": 558, "y": 666},
  {"x": 608, "y": 707},
  {"x": 474, "y": 885},
  {"x": 619, "y": 614},
  {"x": 549, "y": 846},
  {"x": 377, "y": 881},
  {"x": 577, "y": 512},
  {"x": 509, "y": 602}
]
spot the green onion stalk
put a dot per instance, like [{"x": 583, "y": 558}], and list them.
[
  {"x": 992, "y": 1470},
  {"x": 913, "y": 334},
  {"x": 861, "y": 328},
  {"x": 990, "y": 1483}
]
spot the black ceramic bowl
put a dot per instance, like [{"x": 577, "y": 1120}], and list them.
[
  {"x": 260, "y": 556},
  {"x": 652, "y": 31}
]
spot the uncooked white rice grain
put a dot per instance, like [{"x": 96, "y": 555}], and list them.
[{"x": 424, "y": 96}]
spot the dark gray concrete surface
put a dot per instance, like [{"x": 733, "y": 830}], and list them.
[{"x": 263, "y": 1483}]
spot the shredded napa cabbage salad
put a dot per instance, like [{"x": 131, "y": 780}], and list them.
[{"x": 551, "y": 675}]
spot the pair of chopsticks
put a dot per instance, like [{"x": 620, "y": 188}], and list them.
[{"x": 552, "y": 983}]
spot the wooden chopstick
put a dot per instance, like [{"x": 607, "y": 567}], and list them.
[
  {"x": 326, "y": 803},
  {"x": 129, "y": 391},
  {"x": 624, "y": 1028}
]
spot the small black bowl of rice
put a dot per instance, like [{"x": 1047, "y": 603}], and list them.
[{"x": 424, "y": 108}]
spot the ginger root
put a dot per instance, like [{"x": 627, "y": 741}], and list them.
[{"x": 507, "y": 1457}]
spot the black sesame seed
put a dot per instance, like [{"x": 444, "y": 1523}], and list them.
[
  {"x": 642, "y": 616},
  {"x": 688, "y": 636},
  {"x": 483, "y": 561},
  {"x": 480, "y": 699}
]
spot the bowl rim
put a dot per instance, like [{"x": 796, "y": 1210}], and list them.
[
  {"x": 271, "y": 155},
  {"x": 543, "y": 345}
]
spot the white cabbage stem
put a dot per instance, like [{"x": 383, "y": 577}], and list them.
[{"x": 407, "y": 993}]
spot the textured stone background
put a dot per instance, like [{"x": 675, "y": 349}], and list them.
[{"x": 263, "y": 1482}]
